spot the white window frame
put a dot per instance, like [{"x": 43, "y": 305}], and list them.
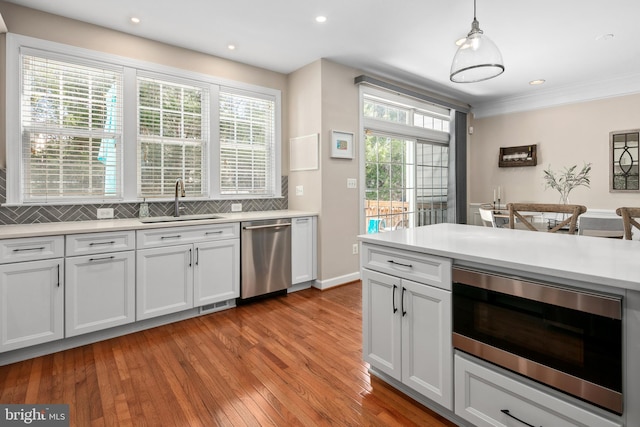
[
  {"x": 132, "y": 67},
  {"x": 406, "y": 131}
]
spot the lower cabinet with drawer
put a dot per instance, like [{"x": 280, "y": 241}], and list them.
[
  {"x": 406, "y": 310},
  {"x": 31, "y": 291},
  {"x": 177, "y": 263},
  {"x": 486, "y": 397},
  {"x": 100, "y": 281}
]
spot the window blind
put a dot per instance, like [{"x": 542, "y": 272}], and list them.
[
  {"x": 71, "y": 117},
  {"x": 172, "y": 138},
  {"x": 247, "y": 144}
]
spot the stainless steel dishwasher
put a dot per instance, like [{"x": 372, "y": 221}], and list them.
[{"x": 265, "y": 248}]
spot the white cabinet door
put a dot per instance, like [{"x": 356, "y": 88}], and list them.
[
  {"x": 100, "y": 292},
  {"x": 31, "y": 303},
  {"x": 217, "y": 271},
  {"x": 427, "y": 355},
  {"x": 382, "y": 320},
  {"x": 164, "y": 280},
  {"x": 303, "y": 250}
]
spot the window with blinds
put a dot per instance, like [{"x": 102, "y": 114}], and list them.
[
  {"x": 71, "y": 116},
  {"x": 247, "y": 144},
  {"x": 172, "y": 138}
]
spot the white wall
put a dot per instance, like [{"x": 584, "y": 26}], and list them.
[
  {"x": 566, "y": 135},
  {"x": 323, "y": 97}
]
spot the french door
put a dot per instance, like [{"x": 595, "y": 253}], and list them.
[{"x": 406, "y": 182}]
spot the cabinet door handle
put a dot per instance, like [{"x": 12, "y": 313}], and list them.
[
  {"x": 395, "y": 309},
  {"x": 506, "y": 412},
  {"x": 399, "y": 263},
  {"x": 190, "y": 257},
  {"x": 58, "y": 275},
  {"x": 102, "y": 258},
  {"x": 197, "y": 255},
  {"x": 112, "y": 242},
  {"x": 177, "y": 236},
  {"x": 402, "y": 301},
  {"x": 41, "y": 248},
  {"x": 302, "y": 220}
]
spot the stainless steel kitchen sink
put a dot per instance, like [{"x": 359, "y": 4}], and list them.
[{"x": 153, "y": 219}]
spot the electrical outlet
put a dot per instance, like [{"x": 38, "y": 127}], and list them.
[
  {"x": 299, "y": 190},
  {"x": 355, "y": 249},
  {"x": 104, "y": 213},
  {"x": 236, "y": 207}
]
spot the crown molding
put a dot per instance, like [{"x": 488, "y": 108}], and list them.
[{"x": 570, "y": 94}]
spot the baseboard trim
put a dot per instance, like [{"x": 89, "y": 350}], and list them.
[{"x": 336, "y": 281}]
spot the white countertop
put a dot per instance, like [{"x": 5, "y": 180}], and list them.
[
  {"x": 597, "y": 260},
  {"x": 103, "y": 225}
]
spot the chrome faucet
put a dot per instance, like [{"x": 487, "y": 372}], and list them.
[{"x": 176, "y": 204}]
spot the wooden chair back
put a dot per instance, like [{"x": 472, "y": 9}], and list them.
[
  {"x": 516, "y": 211},
  {"x": 629, "y": 216}
]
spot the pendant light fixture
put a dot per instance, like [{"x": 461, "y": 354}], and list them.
[{"x": 477, "y": 58}]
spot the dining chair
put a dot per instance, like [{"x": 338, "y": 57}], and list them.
[
  {"x": 629, "y": 216},
  {"x": 486, "y": 215},
  {"x": 522, "y": 213},
  {"x": 601, "y": 226}
]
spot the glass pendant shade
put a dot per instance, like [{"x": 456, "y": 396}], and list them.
[{"x": 477, "y": 59}]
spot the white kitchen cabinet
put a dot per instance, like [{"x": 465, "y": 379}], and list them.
[
  {"x": 164, "y": 280},
  {"x": 100, "y": 286},
  {"x": 489, "y": 398},
  {"x": 216, "y": 271},
  {"x": 303, "y": 250},
  {"x": 407, "y": 324},
  {"x": 31, "y": 303},
  {"x": 186, "y": 267}
]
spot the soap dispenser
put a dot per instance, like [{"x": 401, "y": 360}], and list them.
[{"x": 144, "y": 209}]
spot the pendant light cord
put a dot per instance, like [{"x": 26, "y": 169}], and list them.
[{"x": 474, "y": 10}]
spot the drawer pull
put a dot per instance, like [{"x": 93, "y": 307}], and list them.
[
  {"x": 41, "y": 248},
  {"x": 102, "y": 258},
  {"x": 177, "y": 236},
  {"x": 506, "y": 412},
  {"x": 399, "y": 263},
  {"x": 112, "y": 242},
  {"x": 214, "y": 232}
]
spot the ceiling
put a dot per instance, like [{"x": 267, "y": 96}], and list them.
[{"x": 410, "y": 41}]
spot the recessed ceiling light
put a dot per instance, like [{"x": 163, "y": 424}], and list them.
[
  {"x": 608, "y": 36},
  {"x": 231, "y": 47},
  {"x": 321, "y": 19},
  {"x": 537, "y": 82},
  {"x": 135, "y": 20}
]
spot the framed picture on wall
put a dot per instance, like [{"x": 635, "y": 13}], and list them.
[{"x": 341, "y": 145}]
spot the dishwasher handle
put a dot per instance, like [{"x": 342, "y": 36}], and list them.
[{"x": 257, "y": 227}]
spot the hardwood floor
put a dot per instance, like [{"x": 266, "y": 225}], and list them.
[{"x": 287, "y": 361}]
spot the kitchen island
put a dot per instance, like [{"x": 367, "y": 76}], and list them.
[{"x": 422, "y": 362}]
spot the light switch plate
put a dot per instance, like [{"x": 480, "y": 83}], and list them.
[
  {"x": 352, "y": 183},
  {"x": 299, "y": 190},
  {"x": 104, "y": 213},
  {"x": 236, "y": 207}
]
